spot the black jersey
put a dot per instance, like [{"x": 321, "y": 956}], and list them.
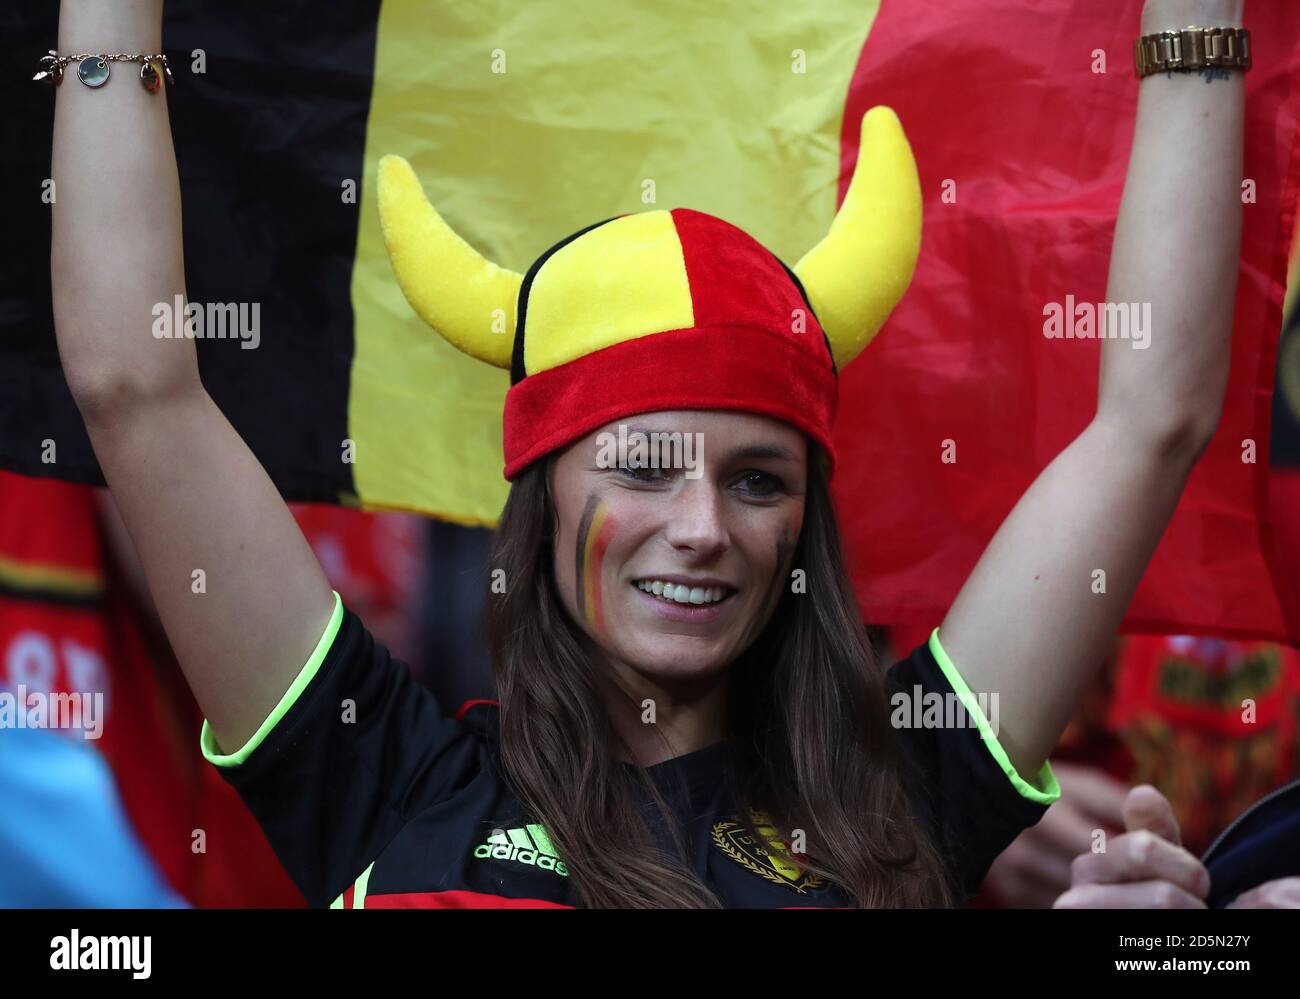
[{"x": 373, "y": 797}]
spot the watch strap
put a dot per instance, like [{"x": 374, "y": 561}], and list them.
[{"x": 1191, "y": 49}]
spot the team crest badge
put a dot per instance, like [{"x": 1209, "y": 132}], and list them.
[{"x": 759, "y": 853}]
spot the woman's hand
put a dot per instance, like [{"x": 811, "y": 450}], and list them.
[{"x": 1145, "y": 868}]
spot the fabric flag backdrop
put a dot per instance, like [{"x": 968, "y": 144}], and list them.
[
  {"x": 1036, "y": 144},
  {"x": 528, "y": 122},
  {"x": 1284, "y": 480}
]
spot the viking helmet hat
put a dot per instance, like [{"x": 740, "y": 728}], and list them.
[{"x": 666, "y": 309}]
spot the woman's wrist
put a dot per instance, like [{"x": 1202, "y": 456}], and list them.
[
  {"x": 1171, "y": 15},
  {"x": 110, "y": 26}
]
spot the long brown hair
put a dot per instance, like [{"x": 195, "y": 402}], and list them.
[{"x": 807, "y": 726}]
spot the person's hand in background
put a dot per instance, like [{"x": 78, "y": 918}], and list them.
[
  {"x": 1147, "y": 868},
  {"x": 1144, "y": 868},
  {"x": 1284, "y": 893},
  {"x": 1035, "y": 869}
]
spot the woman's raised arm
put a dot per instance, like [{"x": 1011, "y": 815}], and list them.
[
  {"x": 238, "y": 590},
  {"x": 1031, "y": 623}
]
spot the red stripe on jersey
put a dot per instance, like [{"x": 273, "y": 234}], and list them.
[
  {"x": 460, "y": 713},
  {"x": 455, "y": 900}
]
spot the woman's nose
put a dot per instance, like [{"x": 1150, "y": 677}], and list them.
[{"x": 697, "y": 522}]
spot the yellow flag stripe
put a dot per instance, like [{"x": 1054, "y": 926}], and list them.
[
  {"x": 525, "y": 125},
  {"x": 58, "y": 579}
]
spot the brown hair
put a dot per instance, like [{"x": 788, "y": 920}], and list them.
[{"x": 807, "y": 726}]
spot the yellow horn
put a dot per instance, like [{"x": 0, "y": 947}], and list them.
[
  {"x": 857, "y": 273},
  {"x": 450, "y": 285}
]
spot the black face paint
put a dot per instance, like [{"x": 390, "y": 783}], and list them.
[
  {"x": 784, "y": 546},
  {"x": 580, "y": 553}
]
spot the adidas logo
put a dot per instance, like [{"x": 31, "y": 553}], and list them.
[{"x": 529, "y": 845}]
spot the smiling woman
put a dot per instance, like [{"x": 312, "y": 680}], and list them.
[
  {"x": 753, "y": 710},
  {"x": 731, "y": 529},
  {"x": 689, "y": 712}
]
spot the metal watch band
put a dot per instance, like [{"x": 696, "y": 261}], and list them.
[{"x": 1192, "y": 48}]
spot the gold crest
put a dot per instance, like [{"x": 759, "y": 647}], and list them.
[{"x": 766, "y": 854}]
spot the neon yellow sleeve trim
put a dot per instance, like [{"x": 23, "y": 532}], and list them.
[
  {"x": 208, "y": 742},
  {"x": 363, "y": 883},
  {"x": 1044, "y": 789},
  {"x": 360, "y": 887}
]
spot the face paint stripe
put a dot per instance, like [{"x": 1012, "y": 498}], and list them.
[
  {"x": 586, "y": 560},
  {"x": 591, "y": 568},
  {"x": 604, "y": 531},
  {"x": 580, "y": 554}
]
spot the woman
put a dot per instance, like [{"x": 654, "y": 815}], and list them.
[{"x": 689, "y": 714}]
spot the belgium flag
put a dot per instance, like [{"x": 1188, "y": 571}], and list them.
[{"x": 527, "y": 122}]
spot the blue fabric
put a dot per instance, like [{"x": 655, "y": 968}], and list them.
[
  {"x": 1263, "y": 845},
  {"x": 65, "y": 839}
]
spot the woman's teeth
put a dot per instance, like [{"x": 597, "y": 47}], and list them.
[{"x": 679, "y": 594}]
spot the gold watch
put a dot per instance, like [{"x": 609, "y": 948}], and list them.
[{"x": 1192, "y": 48}]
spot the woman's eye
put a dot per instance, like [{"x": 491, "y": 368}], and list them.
[
  {"x": 643, "y": 473},
  {"x": 758, "y": 483}
]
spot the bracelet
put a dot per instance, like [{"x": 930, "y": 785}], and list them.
[
  {"x": 93, "y": 68},
  {"x": 1191, "y": 49}
]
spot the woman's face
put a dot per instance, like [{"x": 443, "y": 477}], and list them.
[{"x": 674, "y": 571}]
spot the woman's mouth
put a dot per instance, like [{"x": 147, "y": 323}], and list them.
[{"x": 676, "y": 601}]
